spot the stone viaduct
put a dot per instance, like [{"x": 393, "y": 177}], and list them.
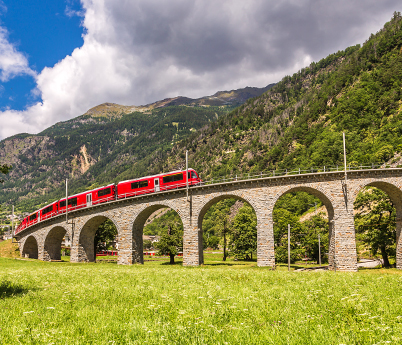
[{"x": 43, "y": 240}]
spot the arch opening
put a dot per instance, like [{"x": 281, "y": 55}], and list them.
[
  {"x": 97, "y": 235},
  {"x": 228, "y": 227},
  {"x": 30, "y": 249},
  {"x": 309, "y": 212},
  {"x": 53, "y": 243},
  {"x": 157, "y": 229},
  {"x": 378, "y": 221}
]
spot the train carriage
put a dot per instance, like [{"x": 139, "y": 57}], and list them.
[
  {"x": 33, "y": 218},
  {"x": 74, "y": 202},
  {"x": 156, "y": 183},
  {"x": 101, "y": 194},
  {"x": 124, "y": 189},
  {"x": 49, "y": 211}
]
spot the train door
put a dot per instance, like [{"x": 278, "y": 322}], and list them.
[
  {"x": 39, "y": 216},
  {"x": 156, "y": 183},
  {"x": 89, "y": 199}
]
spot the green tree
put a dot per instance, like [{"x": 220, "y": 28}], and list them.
[
  {"x": 216, "y": 223},
  {"x": 244, "y": 233},
  {"x": 375, "y": 222},
  {"x": 312, "y": 228},
  {"x": 223, "y": 227},
  {"x": 211, "y": 242},
  {"x": 147, "y": 244},
  {"x": 282, "y": 218},
  {"x": 4, "y": 169},
  {"x": 171, "y": 242},
  {"x": 105, "y": 234}
]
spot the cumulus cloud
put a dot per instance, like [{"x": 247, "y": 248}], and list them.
[
  {"x": 12, "y": 62},
  {"x": 137, "y": 52}
]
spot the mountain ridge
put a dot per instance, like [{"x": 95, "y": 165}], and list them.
[{"x": 220, "y": 98}]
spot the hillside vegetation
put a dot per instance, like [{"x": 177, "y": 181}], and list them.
[
  {"x": 299, "y": 122},
  {"x": 109, "y": 143}
]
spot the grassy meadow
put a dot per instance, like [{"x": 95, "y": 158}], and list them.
[{"x": 232, "y": 303}]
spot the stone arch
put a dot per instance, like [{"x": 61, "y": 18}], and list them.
[
  {"x": 213, "y": 199},
  {"x": 216, "y": 198},
  {"x": 393, "y": 191},
  {"x": 52, "y": 245},
  {"x": 327, "y": 201},
  {"x": 86, "y": 237},
  {"x": 138, "y": 223},
  {"x": 318, "y": 192},
  {"x": 30, "y": 248},
  {"x": 395, "y": 194}
]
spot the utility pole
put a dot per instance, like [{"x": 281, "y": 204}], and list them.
[
  {"x": 12, "y": 221},
  {"x": 319, "y": 250},
  {"x": 67, "y": 200},
  {"x": 187, "y": 173},
  {"x": 288, "y": 247},
  {"x": 344, "y": 157}
]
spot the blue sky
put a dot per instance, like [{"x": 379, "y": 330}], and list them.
[
  {"x": 46, "y": 31},
  {"x": 59, "y": 58}
]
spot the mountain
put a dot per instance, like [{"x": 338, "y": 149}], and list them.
[
  {"x": 221, "y": 98},
  {"x": 109, "y": 143},
  {"x": 299, "y": 122}
]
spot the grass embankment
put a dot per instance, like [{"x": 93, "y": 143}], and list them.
[
  {"x": 156, "y": 303},
  {"x": 9, "y": 249}
]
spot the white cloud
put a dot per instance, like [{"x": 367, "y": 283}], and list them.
[
  {"x": 12, "y": 62},
  {"x": 136, "y": 52}
]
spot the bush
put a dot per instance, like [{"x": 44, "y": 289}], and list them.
[{"x": 281, "y": 255}]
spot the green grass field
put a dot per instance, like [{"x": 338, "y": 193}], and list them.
[{"x": 233, "y": 303}]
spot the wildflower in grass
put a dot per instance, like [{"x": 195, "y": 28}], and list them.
[{"x": 28, "y": 312}]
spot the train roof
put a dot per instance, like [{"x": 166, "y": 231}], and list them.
[
  {"x": 87, "y": 191},
  {"x": 151, "y": 176},
  {"x": 54, "y": 202}
]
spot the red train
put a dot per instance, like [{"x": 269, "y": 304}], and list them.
[{"x": 121, "y": 190}]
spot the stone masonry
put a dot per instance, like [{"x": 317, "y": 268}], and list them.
[{"x": 43, "y": 240}]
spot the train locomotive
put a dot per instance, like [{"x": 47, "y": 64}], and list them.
[{"x": 111, "y": 192}]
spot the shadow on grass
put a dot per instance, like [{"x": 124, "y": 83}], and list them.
[
  {"x": 9, "y": 289},
  {"x": 376, "y": 268},
  {"x": 179, "y": 263}
]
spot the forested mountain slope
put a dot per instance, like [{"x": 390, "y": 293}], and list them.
[
  {"x": 299, "y": 122},
  {"x": 109, "y": 143}
]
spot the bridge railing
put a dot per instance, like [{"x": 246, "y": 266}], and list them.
[{"x": 298, "y": 171}]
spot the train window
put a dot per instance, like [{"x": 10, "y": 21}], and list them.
[
  {"x": 33, "y": 216},
  {"x": 104, "y": 192},
  {"x": 72, "y": 202},
  {"x": 192, "y": 174},
  {"x": 48, "y": 209},
  {"x": 173, "y": 178},
  {"x": 63, "y": 203},
  {"x": 139, "y": 184}
]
